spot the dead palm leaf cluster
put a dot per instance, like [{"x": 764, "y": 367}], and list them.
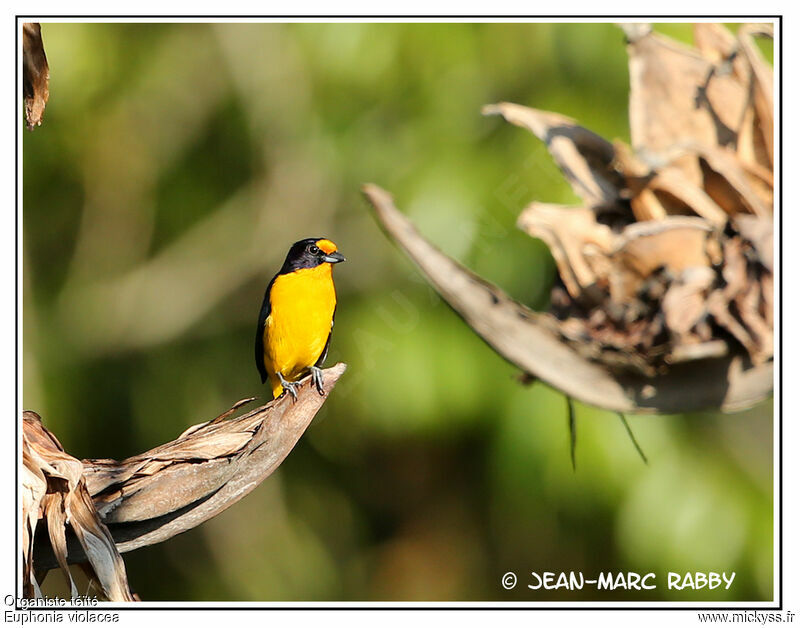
[
  {"x": 669, "y": 257},
  {"x": 663, "y": 301}
]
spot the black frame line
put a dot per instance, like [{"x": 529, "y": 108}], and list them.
[
  {"x": 17, "y": 415},
  {"x": 365, "y": 606}
]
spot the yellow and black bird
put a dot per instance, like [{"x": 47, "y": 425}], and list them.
[{"x": 296, "y": 319}]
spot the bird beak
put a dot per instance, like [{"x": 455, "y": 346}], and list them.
[{"x": 333, "y": 258}]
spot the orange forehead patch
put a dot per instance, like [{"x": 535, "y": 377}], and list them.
[{"x": 326, "y": 246}]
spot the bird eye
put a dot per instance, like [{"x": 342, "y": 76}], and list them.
[{"x": 313, "y": 249}]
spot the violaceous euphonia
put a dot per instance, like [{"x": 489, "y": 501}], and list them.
[{"x": 296, "y": 319}]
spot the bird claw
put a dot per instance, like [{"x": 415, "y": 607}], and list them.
[
  {"x": 316, "y": 378},
  {"x": 289, "y": 387}
]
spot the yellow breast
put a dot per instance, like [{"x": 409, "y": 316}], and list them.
[{"x": 297, "y": 328}]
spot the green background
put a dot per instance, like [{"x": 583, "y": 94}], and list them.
[{"x": 177, "y": 163}]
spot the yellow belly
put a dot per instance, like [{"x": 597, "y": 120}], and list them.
[{"x": 297, "y": 329}]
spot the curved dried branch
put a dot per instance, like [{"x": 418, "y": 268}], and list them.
[
  {"x": 532, "y": 341},
  {"x": 172, "y": 488}
]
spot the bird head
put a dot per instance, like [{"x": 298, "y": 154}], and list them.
[{"x": 311, "y": 252}]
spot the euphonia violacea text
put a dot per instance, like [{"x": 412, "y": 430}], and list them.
[{"x": 296, "y": 318}]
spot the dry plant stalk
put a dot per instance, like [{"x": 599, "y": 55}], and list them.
[
  {"x": 35, "y": 74},
  {"x": 151, "y": 497},
  {"x": 664, "y": 300}
]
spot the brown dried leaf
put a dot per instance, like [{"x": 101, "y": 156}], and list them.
[
  {"x": 715, "y": 42},
  {"x": 34, "y": 489},
  {"x": 759, "y": 232},
  {"x": 671, "y": 182},
  {"x": 699, "y": 351},
  {"x": 585, "y": 158},
  {"x": 99, "y": 546},
  {"x": 763, "y": 91},
  {"x": 35, "y": 74},
  {"x": 719, "y": 307},
  {"x": 749, "y": 305},
  {"x": 675, "y": 243},
  {"x": 736, "y": 53},
  {"x": 568, "y": 232},
  {"x": 662, "y": 190},
  {"x": 66, "y": 501},
  {"x": 740, "y": 306},
  {"x": 676, "y": 98},
  {"x": 734, "y": 271},
  {"x": 205, "y": 447},
  {"x": 734, "y": 189},
  {"x": 645, "y": 205},
  {"x": 53, "y": 506},
  {"x": 684, "y": 302}
]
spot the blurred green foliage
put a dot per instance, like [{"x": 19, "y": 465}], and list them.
[{"x": 176, "y": 164}]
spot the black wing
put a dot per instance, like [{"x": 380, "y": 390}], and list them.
[
  {"x": 262, "y": 319},
  {"x": 324, "y": 353}
]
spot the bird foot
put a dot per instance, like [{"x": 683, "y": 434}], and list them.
[
  {"x": 288, "y": 386},
  {"x": 316, "y": 378}
]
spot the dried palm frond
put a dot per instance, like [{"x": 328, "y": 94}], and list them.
[
  {"x": 172, "y": 488},
  {"x": 664, "y": 296}
]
